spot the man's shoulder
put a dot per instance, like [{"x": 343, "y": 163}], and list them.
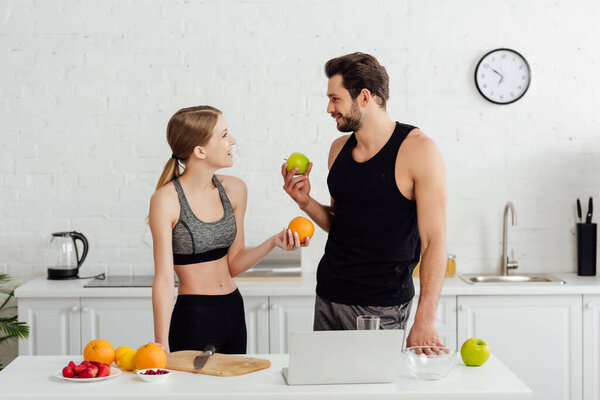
[{"x": 417, "y": 142}]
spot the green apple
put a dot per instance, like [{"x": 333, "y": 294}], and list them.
[
  {"x": 297, "y": 160},
  {"x": 475, "y": 352}
]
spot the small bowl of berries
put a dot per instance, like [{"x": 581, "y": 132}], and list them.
[{"x": 154, "y": 374}]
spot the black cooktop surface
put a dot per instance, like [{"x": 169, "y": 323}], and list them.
[{"x": 123, "y": 281}]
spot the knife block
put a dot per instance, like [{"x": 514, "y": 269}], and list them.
[{"x": 586, "y": 249}]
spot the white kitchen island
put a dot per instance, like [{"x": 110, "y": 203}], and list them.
[{"x": 31, "y": 377}]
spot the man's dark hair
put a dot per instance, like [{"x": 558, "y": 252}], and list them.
[{"x": 361, "y": 71}]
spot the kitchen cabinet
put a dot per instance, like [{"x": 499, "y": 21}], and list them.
[
  {"x": 121, "y": 321},
  {"x": 55, "y": 326},
  {"x": 537, "y": 337},
  {"x": 271, "y": 319},
  {"x": 288, "y": 314},
  {"x": 445, "y": 320},
  {"x": 63, "y": 326},
  {"x": 591, "y": 347}
]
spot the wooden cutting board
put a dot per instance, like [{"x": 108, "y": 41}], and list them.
[{"x": 218, "y": 364}]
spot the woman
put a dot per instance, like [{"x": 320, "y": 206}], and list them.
[{"x": 197, "y": 224}]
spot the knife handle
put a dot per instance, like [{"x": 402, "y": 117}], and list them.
[
  {"x": 211, "y": 349},
  {"x": 588, "y": 219}
]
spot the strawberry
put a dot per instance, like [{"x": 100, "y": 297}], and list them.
[
  {"x": 72, "y": 364},
  {"x": 86, "y": 373},
  {"x": 94, "y": 369},
  {"x": 86, "y": 363},
  {"x": 79, "y": 369},
  {"x": 68, "y": 372},
  {"x": 103, "y": 370},
  {"x": 96, "y": 363}
]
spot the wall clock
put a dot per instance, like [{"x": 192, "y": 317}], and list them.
[{"x": 502, "y": 76}]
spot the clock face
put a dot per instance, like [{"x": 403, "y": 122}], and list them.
[{"x": 502, "y": 76}]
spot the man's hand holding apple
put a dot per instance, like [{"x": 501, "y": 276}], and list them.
[{"x": 298, "y": 187}]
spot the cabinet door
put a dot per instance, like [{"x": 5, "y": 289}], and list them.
[
  {"x": 538, "y": 337},
  {"x": 122, "y": 321},
  {"x": 445, "y": 320},
  {"x": 54, "y": 326},
  {"x": 591, "y": 347},
  {"x": 287, "y": 314},
  {"x": 257, "y": 324}
]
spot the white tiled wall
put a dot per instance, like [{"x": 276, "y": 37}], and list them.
[{"x": 87, "y": 87}]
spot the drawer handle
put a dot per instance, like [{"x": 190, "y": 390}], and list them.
[
  {"x": 85, "y": 309},
  {"x": 262, "y": 306},
  {"x": 589, "y": 306},
  {"x": 462, "y": 307},
  {"x": 74, "y": 309},
  {"x": 274, "y": 306}
]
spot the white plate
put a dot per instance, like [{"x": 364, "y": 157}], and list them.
[{"x": 113, "y": 373}]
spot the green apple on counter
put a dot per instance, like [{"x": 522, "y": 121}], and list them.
[
  {"x": 297, "y": 160},
  {"x": 475, "y": 352}
]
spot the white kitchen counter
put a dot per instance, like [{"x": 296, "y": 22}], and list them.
[
  {"x": 42, "y": 287},
  {"x": 31, "y": 377}
]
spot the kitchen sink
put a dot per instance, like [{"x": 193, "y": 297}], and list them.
[{"x": 523, "y": 278}]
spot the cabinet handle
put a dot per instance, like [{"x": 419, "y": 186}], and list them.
[
  {"x": 85, "y": 309},
  {"x": 262, "y": 306},
  {"x": 274, "y": 306},
  {"x": 74, "y": 309},
  {"x": 589, "y": 306},
  {"x": 462, "y": 307}
]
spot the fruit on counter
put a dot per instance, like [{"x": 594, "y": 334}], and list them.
[
  {"x": 475, "y": 352},
  {"x": 150, "y": 355},
  {"x": 99, "y": 350},
  {"x": 68, "y": 372},
  {"x": 103, "y": 370},
  {"x": 155, "y": 372},
  {"x": 86, "y": 373},
  {"x": 120, "y": 351},
  {"x": 297, "y": 160},
  {"x": 303, "y": 227},
  {"x": 86, "y": 370},
  {"x": 93, "y": 369},
  {"x": 79, "y": 369},
  {"x": 127, "y": 361}
]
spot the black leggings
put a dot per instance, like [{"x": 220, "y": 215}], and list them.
[{"x": 199, "y": 320}]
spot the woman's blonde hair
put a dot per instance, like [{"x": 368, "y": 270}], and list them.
[{"x": 187, "y": 128}]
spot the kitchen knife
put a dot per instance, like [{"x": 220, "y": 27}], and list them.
[
  {"x": 579, "y": 210},
  {"x": 201, "y": 360},
  {"x": 588, "y": 219}
]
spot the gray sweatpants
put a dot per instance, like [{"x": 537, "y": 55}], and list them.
[{"x": 330, "y": 316}]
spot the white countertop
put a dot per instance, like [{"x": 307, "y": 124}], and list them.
[
  {"x": 42, "y": 287},
  {"x": 31, "y": 377}
]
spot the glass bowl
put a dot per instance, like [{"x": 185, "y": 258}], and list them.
[
  {"x": 154, "y": 378},
  {"x": 429, "y": 362}
]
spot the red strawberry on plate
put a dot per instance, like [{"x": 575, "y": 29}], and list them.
[
  {"x": 79, "y": 369},
  {"x": 103, "y": 370},
  {"x": 72, "y": 364},
  {"x": 86, "y": 363},
  {"x": 94, "y": 369},
  {"x": 86, "y": 373},
  {"x": 68, "y": 372}
]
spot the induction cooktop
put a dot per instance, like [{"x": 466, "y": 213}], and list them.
[{"x": 122, "y": 281}]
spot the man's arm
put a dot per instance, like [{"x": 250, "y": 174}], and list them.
[
  {"x": 299, "y": 188},
  {"x": 430, "y": 194}
]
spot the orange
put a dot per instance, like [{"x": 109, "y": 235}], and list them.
[
  {"x": 303, "y": 226},
  {"x": 99, "y": 350},
  {"x": 150, "y": 355}
]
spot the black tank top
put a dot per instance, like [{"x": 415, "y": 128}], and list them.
[{"x": 373, "y": 244}]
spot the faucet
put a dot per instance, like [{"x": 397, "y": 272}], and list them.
[{"x": 507, "y": 264}]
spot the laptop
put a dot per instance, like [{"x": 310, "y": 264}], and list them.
[{"x": 334, "y": 357}]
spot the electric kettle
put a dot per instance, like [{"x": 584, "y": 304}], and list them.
[{"x": 64, "y": 261}]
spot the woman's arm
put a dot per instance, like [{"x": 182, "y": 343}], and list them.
[
  {"x": 161, "y": 219},
  {"x": 239, "y": 258}
]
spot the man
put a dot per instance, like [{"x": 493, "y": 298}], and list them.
[{"x": 388, "y": 209}]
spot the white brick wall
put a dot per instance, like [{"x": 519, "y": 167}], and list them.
[{"x": 87, "y": 87}]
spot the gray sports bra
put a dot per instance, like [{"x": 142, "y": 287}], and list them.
[{"x": 196, "y": 241}]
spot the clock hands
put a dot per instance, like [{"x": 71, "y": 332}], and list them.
[{"x": 501, "y": 77}]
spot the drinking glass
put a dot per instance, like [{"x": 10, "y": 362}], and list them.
[{"x": 367, "y": 322}]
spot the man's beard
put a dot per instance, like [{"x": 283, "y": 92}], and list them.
[{"x": 351, "y": 122}]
